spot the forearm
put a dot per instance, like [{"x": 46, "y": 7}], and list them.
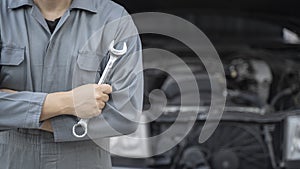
[
  {"x": 57, "y": 104},
  {"x": 91, "y": 100},
  {"x": 54, "y": 105}
]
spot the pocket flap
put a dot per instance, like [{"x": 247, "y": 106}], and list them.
[
  {"x": 88, "y": 61},
  {"x": 11, "y": 56}
]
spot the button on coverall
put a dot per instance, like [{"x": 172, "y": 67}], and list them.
[{"x": 35, "y": 62}]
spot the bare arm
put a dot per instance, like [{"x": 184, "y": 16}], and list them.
[{"x": 57, "y": 104}]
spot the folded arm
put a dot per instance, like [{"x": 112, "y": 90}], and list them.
[
  {"x": 34, "y": 110},
  {"x": 21, "y": 109}
]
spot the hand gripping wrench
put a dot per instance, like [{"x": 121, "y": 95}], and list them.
[{"x": 114, "y": 55}]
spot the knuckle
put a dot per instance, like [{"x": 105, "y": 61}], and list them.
[
  {"x": 98, "y": 96},
  {"x": 102, "y": 97},
  {"x": 106, "y": 98},
  {"x": 102, "y": 105},
  {"x": 109, "y": 89}
]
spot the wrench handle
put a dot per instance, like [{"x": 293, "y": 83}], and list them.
[{"x": 107, "y": 69}]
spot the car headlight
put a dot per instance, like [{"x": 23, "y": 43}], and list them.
[{"x": 292, "y": 142}]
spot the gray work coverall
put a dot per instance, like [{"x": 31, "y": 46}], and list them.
[{"x": 35, "y": 62}]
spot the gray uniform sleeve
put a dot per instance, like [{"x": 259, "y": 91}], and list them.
[
  {"x": 21, "y": 110},
  {"x": 122, "y": 111}
]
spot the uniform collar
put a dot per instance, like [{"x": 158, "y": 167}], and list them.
[
  {"x": 19, "y": 3},
  {"x": 87, "y": 5}
]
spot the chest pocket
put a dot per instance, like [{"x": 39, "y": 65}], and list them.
[
  {"x": 12, "y": 66},
  {"x": 87, "y": 68}
]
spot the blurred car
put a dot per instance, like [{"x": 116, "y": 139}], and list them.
[{"x": 259, "y": 46}]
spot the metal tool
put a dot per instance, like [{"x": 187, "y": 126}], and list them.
[{"x": 114, "y": 55}]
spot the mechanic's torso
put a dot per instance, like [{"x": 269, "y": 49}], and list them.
[{"x": 33, "y": 59}]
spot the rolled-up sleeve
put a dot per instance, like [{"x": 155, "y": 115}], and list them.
[
  {"x": 121, "y": 114},
  {"x": 21, "y": 110}
]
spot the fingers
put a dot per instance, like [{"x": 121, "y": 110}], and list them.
[
  {"x": 102, "y": 92},
  {"x": 89, "y": 100},
  {"x": 102, "y": 97},
  {"x": 101, "y": 105},
  {"x": 105, "y": 88}
]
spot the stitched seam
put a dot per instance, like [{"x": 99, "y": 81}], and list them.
[{"x": 28, "y": 111}]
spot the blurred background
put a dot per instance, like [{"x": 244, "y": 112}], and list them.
[{"x": 258, "y": 44}]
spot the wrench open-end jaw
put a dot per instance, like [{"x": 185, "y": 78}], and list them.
[
  {"x": 116, "y": 52},
  {"x": 114, "y": 55}
]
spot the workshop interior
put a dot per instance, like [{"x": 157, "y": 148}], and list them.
[{"x": 258, "y": 44}]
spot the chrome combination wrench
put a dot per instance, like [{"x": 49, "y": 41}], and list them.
[{"x": 114, "y": 55}]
